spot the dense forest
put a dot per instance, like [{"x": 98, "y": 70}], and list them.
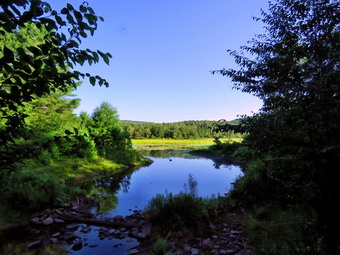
[{"x": 177, "y": 130}]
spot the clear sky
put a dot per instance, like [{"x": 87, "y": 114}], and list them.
[{"x": 163, "y": 52}]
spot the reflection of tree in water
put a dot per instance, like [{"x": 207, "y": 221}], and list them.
[
  {"x": 105, "y": 188},
  {"x": 218, "y": 159},
  {"x": 167, "y": 154}
]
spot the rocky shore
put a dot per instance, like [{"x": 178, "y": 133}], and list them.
[{"x": 71, "y": 223}]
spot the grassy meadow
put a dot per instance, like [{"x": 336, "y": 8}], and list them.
[{"x": 177, "y": 144}]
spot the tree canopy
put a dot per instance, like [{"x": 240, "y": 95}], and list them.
[
  {"x": 294, "y": 141},
  {"x": 39, "y": 51}
]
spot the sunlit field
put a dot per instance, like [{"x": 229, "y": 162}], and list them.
[{"x": 177, "y": 144}]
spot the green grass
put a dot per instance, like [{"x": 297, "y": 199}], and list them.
[{"x": 177, "y": 144}]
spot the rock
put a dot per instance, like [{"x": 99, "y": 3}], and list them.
[
  {"x": 68, "y": 236},
  {"x": 226, "y": 252},
  {"x": 195, "y": 251},
  {"x": 141, "y": 235},
  {"x": 35, "y": 220},
  {"x": 86, "y": 230},
  {"x": 34, "y": 244},
  {"x": 58, "y": 221},
  {"x": 186, "y": 247},
  {"x": 134, "y": 251},
  {"x": 93, "y": 245},
  {"x": 34, "y": 231},
  {"x": 215, "y": 236},
  {"x": 72, "y": 227},
  {"x": 146, "y": 229},
  {"x": 77, "y": 246},
  {"x": 206, "y": 243},
  {"x": 56, "y": 234},
  {"x": 179, "y": 252},
  {"x": 54, "y": 240},
  {"x": 118, "y": 218},
  {"x": 48, "y": 221},
  {"x": 235, "y": 232},
  {"x": 134, "y": 233},
  {"x": 44, "y": 217}
]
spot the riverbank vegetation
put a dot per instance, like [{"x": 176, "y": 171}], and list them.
[
  {"x": 292, "y": 148},
  {"x": 44, "y": 145}
]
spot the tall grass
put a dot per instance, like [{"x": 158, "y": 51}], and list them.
[{"x": 184, "y": 212}]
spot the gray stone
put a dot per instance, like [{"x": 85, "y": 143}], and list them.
[
  {"x": 141, "y": 235},
  {"x": 34, "y": 244},
  {"x": 69, "y": 236},
  {"x": 54, "y": 240},
  {"x": 226, "y": 251},
  {"x": 58, "y": 221},
  {"x": 34, "y": 231},
  {"x": 35, "y": 220},
  {"x": 134, "y": 251},
  {"x": 72, "y": 227},
  {"x": 146, "y": 229},
  {"x": 48, "y": 221},
  {"x": 215, "y": 236},
  {"x": 235, "y": 232},
  {"x": 118, "y": 218},
  {"x": 86, "y": 230},
  {"x": 195, "y": 251},
  {"x": 206, "y": 243},
  {"x": 56, "y": 234},
  {"x": 93, "y": 245},
  {"x": 186, "y": 247}
]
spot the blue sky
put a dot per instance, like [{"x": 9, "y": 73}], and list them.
[{"x": 163, "y": 52}]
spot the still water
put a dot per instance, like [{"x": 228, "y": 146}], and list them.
[
  {"x": 170, "y": 174},
  {"x": 131, "y": 190}
]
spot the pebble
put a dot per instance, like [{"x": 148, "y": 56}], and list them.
[
  {"x": 69, "y": 236},
  {"x": 48, "y": 221},
  {"x": 72, "y": 227},
  {"x": 34, "y": 244},
  {"x": 195, "y": 251}
]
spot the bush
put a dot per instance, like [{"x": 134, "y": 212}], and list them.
[
  {"x": 275, "y": 230},
  {"x": 160, "y": 247},
  {"x": 182, "y": 212},
  {"x": 30, "y": 192}
]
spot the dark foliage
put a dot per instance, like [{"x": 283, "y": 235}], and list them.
[{"x": 294, "y": 141}]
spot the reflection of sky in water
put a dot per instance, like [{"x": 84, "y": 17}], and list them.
[{"x": 168, "y": 175}]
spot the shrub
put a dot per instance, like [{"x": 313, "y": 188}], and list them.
[
  {"x": 160, "y": 247},
  {"x": 182, "y": 212},
  {"x": 275, "y": 230},
  {"x": 29, "y": 192}
]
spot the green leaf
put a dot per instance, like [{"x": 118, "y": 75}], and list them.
[
  {"x": 8, "y": 54},
  {"x": 70, "y": 7},
  {"x": 68, "y": 132},
  {"x": 92, "y": 80},
  {"x": 64, "y": 11}
]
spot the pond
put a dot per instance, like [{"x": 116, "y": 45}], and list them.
[{"x": 124, "y": 193}]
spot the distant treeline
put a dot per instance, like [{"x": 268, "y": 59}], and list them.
[{"x": 176, "y": 130}]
